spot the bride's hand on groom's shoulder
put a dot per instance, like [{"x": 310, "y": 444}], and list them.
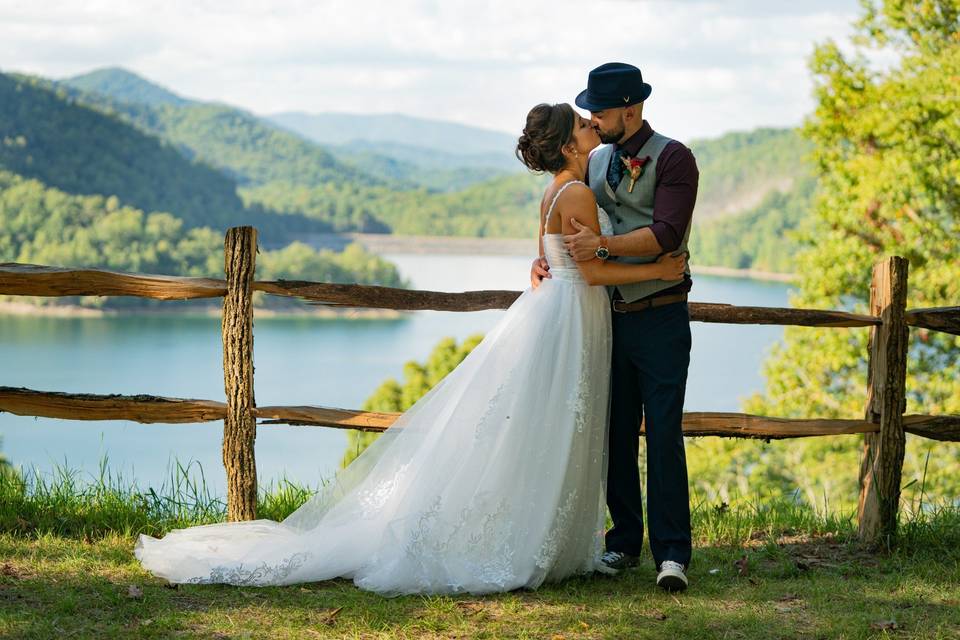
[
  {"x": 674, "y": 267},
  {"x": 538, "y": 271}
]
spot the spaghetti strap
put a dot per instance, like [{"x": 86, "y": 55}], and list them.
[{"x": 553, "y": 202}]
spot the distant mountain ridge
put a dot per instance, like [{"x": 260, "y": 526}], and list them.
[
  {"x": 409, "y": 131},
  {"x": 125, "y": 86}
]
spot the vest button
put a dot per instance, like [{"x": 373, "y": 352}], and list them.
[{"x": 618, "y": 204}]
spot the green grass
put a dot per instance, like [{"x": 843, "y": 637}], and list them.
[{"x": 66, "y": 568}]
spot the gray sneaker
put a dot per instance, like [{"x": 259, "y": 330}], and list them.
[
  {"x": 671, "y": 576},
  {"x": 617, "y": 560}
]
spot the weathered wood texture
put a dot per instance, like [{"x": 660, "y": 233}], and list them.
[
  {"x": 734, "y": 425},
  {"x": 352, "y": 295},
  {"x": 357, "y": 295},
  {"x": 943, "y": 428},
  {"x": 327, "y": 417},
  {"x": 84, "y": 406},
  {"x": 732, "y": 314},
  {"x": 156, "y": 409},
  {"x": 240, "y": 425},
  {"x": 742, "y": 425},
  {"x": 946, "y": 319},
  {"x": 37, "y": 280},
  {"x": 882, "y": 462}
]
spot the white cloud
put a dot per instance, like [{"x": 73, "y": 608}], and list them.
[{"x": 715, "y": 66}]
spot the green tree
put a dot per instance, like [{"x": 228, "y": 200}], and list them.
[{"x": 887, "y": 157}]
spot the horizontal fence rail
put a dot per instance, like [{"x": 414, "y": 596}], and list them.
[
  {"x": 154, "y": 409},
  {"x": 883, "y": 427},
  {"x": 35, "y": 280},
  {"x": 945, "y": 319}
]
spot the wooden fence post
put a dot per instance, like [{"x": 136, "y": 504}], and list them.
[
  {"x": 881, "y": 466},
  {"x": 240, "y": 426}
]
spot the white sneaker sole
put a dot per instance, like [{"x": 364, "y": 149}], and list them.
[{"x": 672, "y": 581}]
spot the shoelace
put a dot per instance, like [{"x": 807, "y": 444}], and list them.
[
  {"x": 670, "y": 564},
  {"x": 611, "y": 556}
]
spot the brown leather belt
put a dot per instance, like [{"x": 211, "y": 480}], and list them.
[{"x": 627, "y": 307}]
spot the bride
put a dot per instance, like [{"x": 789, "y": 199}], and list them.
[{"x": 494, "y": 480}]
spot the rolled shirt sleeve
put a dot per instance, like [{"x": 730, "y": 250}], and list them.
[{"x": 675, "y": 195}]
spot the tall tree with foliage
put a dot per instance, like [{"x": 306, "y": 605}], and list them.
[{"x": 887, "y": 151}]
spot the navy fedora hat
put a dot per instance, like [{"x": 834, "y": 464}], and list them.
[{"x": 611, "y": 85}]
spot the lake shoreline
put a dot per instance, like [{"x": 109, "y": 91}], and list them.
[
  {"x": 385, "y": 244},
  {"x": 74, "y": 311}
]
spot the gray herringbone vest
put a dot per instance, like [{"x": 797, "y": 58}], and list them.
[{"x": 629, "y": 211}]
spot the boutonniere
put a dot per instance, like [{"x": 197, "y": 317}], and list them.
[{"x": 634, "y": 167}]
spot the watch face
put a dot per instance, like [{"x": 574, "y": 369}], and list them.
[{"x": 602, "y": 253}]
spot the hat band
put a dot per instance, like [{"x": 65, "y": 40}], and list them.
[{"x": 610, "y": 98}]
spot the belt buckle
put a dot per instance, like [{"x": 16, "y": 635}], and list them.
[{"x": 615, "y": 309}]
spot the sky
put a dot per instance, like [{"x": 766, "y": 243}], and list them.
[{"x": 715, "y": 66}]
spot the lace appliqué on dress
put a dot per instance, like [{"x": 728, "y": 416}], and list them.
[
  {"x": 492, "y": 541},
  {"x": 262, "y": 574},
  {"x": 551, "y": 546},
  {"x": 373, "y": 500},
  {"x": 482, "y": 428}
]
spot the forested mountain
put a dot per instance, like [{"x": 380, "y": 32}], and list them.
[
  {"x": 80, "y": 150},
  {"x": 44, "y": 134},
  {"x": 125, "y": 86},
  {"x": 415, "y": 176},
  {"x": 436, "y": 171},
  {"x": 80, "y": 187},
  {"x": 762, "y": 238},
  {"x": 738, "y": 170},
  {"x": 236, "y": 142}
]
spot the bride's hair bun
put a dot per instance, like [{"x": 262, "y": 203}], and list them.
[{"x": 548, "y": 128}]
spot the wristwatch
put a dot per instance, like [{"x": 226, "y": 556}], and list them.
[{"x": 602, "y": 252}]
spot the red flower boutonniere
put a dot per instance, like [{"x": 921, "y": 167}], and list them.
[{"x": 634, "y": 167}]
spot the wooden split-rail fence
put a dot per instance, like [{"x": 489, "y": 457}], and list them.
[{"x": 884, "y": 425}]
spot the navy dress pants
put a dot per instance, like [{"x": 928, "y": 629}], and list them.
[{"x": 651, "y": 355}]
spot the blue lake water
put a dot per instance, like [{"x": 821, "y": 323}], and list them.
[{"x": 331, "y": 362}]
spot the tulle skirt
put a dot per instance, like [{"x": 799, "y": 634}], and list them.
[{"x": 493, "y": 481}]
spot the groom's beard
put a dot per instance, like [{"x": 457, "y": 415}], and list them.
[{"x": 610, "y": 137}]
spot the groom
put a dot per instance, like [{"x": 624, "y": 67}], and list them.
[{"x": 647, "y": 184}]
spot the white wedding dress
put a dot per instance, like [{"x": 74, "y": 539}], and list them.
[{"x": 493, "y": 481}]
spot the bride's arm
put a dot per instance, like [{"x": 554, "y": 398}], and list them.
[
  {"x": 579, "y": 202},
  {"x": 539, "y": 269},
  {"x": 542, "y": 230}
]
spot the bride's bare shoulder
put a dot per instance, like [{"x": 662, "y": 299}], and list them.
[{"x": 577, "y": 195}]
